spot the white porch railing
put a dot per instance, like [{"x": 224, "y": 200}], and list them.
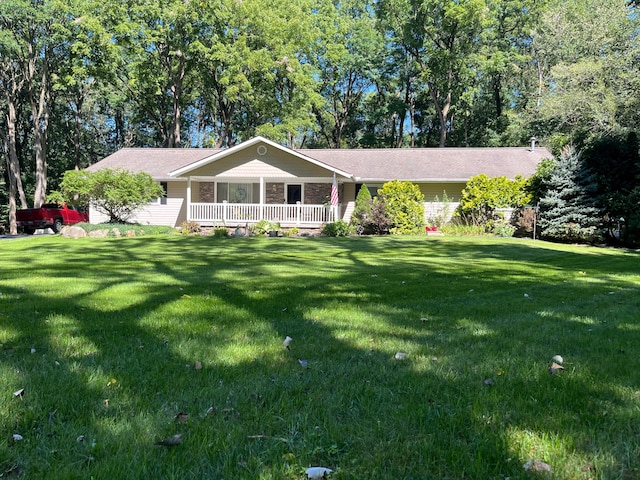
[{"x": 234, "y": 214}]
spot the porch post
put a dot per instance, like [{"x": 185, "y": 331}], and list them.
[
  {"x": 189, "y": 199},
  {"x": 262, "y": 197}
]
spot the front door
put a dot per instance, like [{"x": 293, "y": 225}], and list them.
[{"x": 294, "y": 194}]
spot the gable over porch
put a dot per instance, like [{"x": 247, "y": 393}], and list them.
[{"x": 260, "y": 180}]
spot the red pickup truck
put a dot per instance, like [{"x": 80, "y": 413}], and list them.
[{"x": 50, "y": 215}]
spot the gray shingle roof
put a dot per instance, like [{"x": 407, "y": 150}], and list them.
[
  {"x": 157, "y": 162},
  {"x": 418, "y": 164},
  {"x": 432, "y": 164}
]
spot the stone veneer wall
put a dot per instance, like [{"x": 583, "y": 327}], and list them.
[
  {"x": 207, "y": 192},
  {"x": 274, "y": 193},
  {"x": 317, "y": 193}
]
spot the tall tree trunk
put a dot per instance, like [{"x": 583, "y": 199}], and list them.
[
  {"x": 497, "y": 95},
  {"x": 12, "y": 147},
  {"x": 400, "y": 131},
  {"x": 410, "y": 100},
  {"x": 443, "y": 114},
  {"x": 80, "y": 98},
  {"x": 177, "y": 80},
  {"x": 13, "y": 168},
  {"x": 13, "y": 226},
  {"x": 76, "y": 131},
  {"x": 40, "y": 116},
  {"x": 39, "y": 100}
]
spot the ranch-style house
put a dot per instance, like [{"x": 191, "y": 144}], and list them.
[{"x": 260, "y": 179}]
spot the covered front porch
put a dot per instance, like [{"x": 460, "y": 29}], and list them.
[
  {"x": 239, "y": 214},
  {"x": 229, "y": 202}
]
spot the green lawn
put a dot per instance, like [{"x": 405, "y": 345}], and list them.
[{"x": 112, "y": 338}]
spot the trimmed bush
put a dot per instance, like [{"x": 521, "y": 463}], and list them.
[
  {"x": 339, "y": 228},
  {"x": 264, "y": 226},
  {"x": 483, "y": 195},
  {"x": 220, "y": 232},
  {"x": 403, "y": 206}
]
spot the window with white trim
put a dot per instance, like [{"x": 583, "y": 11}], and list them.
[
  {"x": 237, "y": 192},
  {"x": 163, "y": 199}
]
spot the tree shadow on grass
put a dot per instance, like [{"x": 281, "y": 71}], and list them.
[{"x": 356, "y": 409}]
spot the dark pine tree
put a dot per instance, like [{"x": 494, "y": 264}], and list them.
[
  {"x": 616, "y": 162},
  {"x": 568, "y": 209}
]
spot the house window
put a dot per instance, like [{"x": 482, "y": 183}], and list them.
[
  {"x": 237, "y": 192},
  {"x": 162, "y": 200}
]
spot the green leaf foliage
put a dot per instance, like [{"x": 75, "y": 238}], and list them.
[
  {"x": 615, "y": 161},
  {"x": 117, "y": 193},
  {"x": 536, "y": 184},
  {"x": 404, "y": 206},
  {"x": 483, "y": 195},
  {"x": 339, "y": 228},
  {"x": 362, "y": 210},
  {"x": 587, "y": 59}
]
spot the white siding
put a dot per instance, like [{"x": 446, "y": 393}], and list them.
[
  {"x": 275, "y": 164},
  {"x": 433, "y": 190},
  {"x": 171, "y": 214},
  {"x": 439, "y": 212}
]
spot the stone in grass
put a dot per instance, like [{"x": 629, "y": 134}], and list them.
[
  {"x": 317, "y": 472},
  {"x": 171, "y": 441},
  {"x": 401, "y": 355},
  {"x": 536, "y": 466},
  {"x": 73, "y": 232},
  {"x": 99, "y": 233}
]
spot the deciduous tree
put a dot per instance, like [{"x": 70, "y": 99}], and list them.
[
  {"x": 115, "y": 192},
  {"x": 587, "y": 54}
]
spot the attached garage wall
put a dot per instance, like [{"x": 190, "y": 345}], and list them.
[{"x": 170, "y": 213}]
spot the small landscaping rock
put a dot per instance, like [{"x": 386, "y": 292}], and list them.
[
  {"x": 73, "y": 232},
  {"x": 534, "y": 465},
  {"x": 99, "y": 233}
]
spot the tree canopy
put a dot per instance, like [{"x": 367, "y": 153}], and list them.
[{"x": 83, "y": 78}]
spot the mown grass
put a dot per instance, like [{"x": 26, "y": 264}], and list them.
[{"x": 105, "y": 336}]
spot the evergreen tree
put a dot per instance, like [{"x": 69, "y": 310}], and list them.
[
  {"x": 568, "y": 210},
  {"x": 615, "y": 160},
  {"x": 362, "y": 210}
]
